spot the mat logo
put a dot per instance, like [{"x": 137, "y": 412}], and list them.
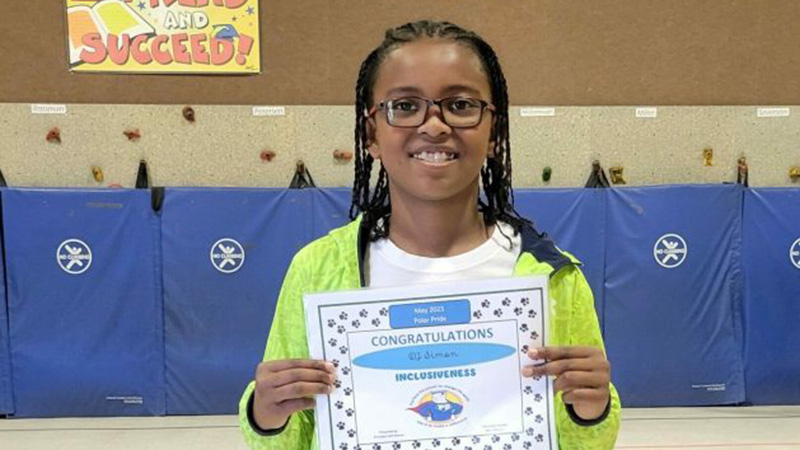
[
  {"x": 74, "y": 256},
  {"x": 227, "y": 255},
  {"x": 670, "y": 251},
  {"x": 794, "y": 253},
  {"x": 440, "y": 406}
]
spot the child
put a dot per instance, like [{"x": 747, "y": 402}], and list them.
[{"x": 432, "y": 106}]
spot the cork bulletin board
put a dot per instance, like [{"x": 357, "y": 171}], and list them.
[{"x": 575, "y": 53}]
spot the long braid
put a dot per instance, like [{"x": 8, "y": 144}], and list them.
[
  {"x": 363, "y": 162},
  {"x": 497, "y": 201}
]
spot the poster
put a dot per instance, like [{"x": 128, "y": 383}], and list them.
[{"x": 163, "y": 36}]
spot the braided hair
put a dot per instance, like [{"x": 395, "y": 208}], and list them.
[{"x": 497, "y": 201}]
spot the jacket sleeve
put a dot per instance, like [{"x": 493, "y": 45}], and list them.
[
  {"x": 576, "y": 324},
  {"x": 287, "y": 340}
]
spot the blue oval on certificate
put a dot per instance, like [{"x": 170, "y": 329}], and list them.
[{"x": 435, "y": 356}]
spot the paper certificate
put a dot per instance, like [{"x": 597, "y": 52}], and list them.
[{"x": 434, "y": 366}]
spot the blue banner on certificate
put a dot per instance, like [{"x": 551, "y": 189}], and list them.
[{"x": 433, "y": 366}]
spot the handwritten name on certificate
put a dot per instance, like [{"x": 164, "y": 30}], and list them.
[{"x": 433, "y": 366}]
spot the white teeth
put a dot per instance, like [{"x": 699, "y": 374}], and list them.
[{"x": 434, "y": 157}]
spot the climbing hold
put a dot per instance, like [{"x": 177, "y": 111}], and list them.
[
  {"x": 267, "y": 155},
  {"x": 132, "y": 135},
  {"x": 708, "y": 157},
  {"x": 547, "y": 173},
  {"x": 616, "y": 175},
  {"x": 794, "y": 173},
  {"x": 342, "y": 155},
  {"x": 188, "y": 114},
  {"x": 54, "y": 136},
  {"x": 97, "y": 173}
]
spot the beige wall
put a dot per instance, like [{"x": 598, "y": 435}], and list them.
[{"x": 222, "y": 147}]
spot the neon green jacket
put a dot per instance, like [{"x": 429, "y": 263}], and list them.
[{"x": 334, "y": 262}]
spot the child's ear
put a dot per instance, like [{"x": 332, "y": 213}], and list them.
[{"x": 372, "y": 143}]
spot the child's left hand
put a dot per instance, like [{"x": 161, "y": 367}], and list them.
[{"x": 583, "y": 375}]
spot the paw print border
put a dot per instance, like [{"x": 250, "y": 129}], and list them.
[{"x": 337, "y": 320}]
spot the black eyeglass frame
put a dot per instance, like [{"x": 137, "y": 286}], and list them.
[{"x": 428, "y": 103}]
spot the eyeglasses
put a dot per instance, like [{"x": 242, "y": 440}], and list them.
[{"x": 410, "y": 112}]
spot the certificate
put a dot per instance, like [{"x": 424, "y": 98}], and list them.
[{"x": 433, "y": 366}]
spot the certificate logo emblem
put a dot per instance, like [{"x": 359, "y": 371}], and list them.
[
  {"x": 227, "y": 255},
  {"x": 74, "y": 256},
  {"x": 441, "y": 406},
  {"x": 794, "y": 253},
  {"x": 670, "y": 251}
]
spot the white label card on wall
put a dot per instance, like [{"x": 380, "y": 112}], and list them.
[
  {"x": 269, "y": 111},
  {"x": 647, "y": 113},
  {"x": 537, "y": 112},
  {"x": 773, "y": 112},
  {"x": 48, "y": 109}
]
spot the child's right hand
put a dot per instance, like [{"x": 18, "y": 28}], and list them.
[{"x": 286, "y": 386}]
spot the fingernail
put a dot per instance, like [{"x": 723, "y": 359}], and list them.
[
  {"x": 329, "y": 367},
  {"x": 534, "y": 353},
  {"x": 527, "y": 372},
  {"x": 331, "y": 388}
]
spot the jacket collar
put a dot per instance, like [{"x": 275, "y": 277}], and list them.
[{"x": 543, "y": 248}]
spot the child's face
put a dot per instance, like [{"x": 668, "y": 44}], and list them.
[{"x": 432, "y": 69}]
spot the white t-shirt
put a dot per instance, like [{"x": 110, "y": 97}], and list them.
[{"x": 388, "y": 265}]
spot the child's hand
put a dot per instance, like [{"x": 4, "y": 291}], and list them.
[
  {"x": 582, "y": 373},
  {"x": 286, "y": 386}
]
